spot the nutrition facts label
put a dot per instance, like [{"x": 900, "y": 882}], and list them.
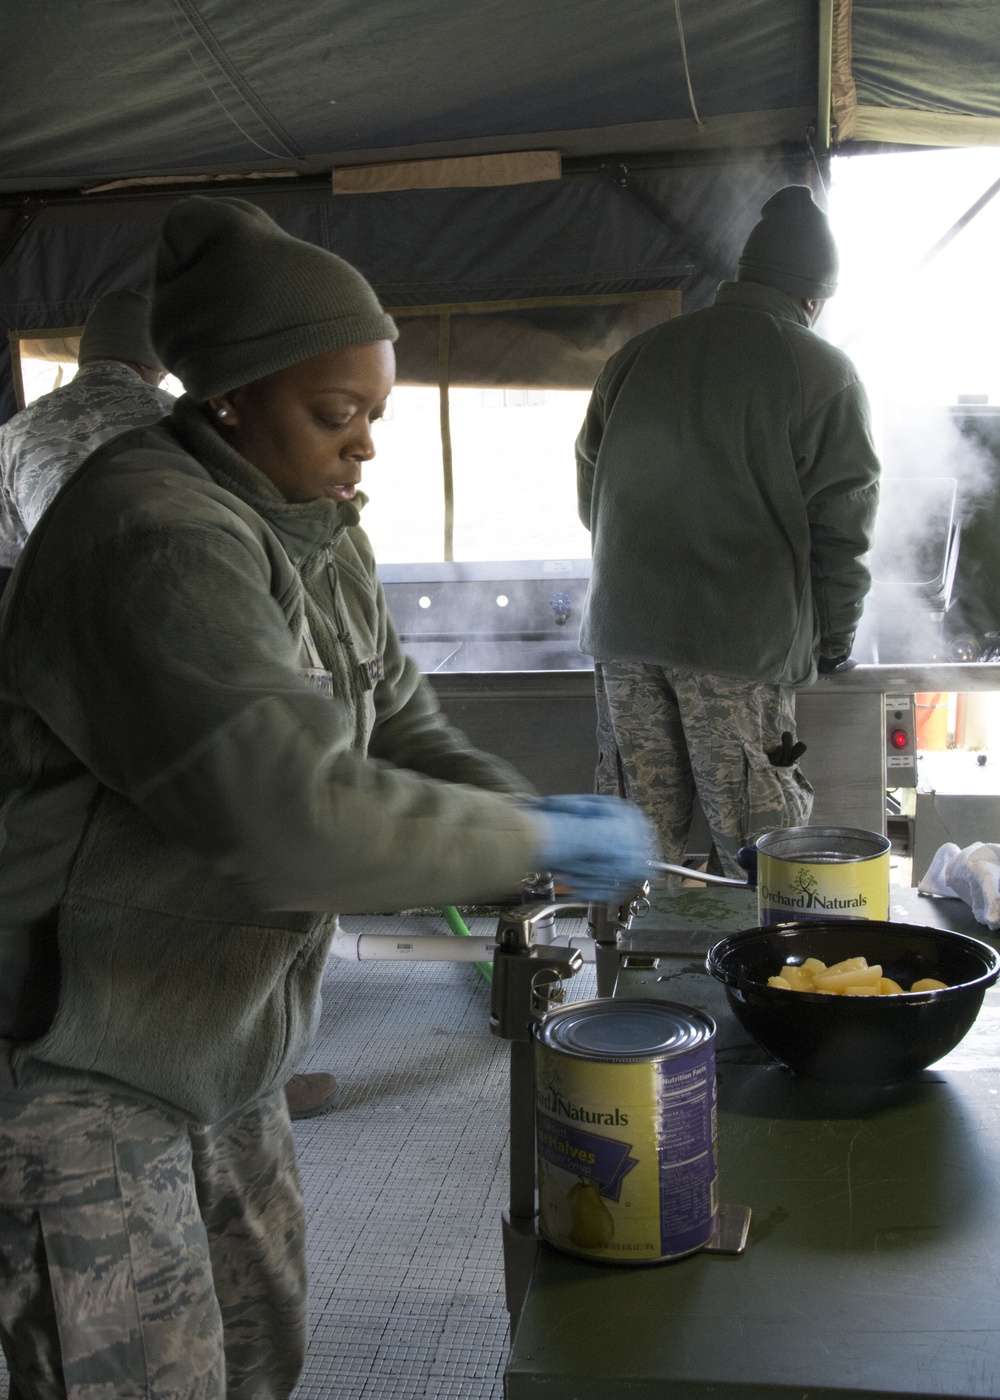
[{"x": 685, "y": 1117}]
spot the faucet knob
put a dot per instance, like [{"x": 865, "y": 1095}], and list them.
[{"x": 561, "y": 605}]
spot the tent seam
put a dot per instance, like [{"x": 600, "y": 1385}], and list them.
[
  {"x": 687, "y": 71},
  {"x": 231, "y": 73}
]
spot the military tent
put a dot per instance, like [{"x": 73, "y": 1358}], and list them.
[{"x": 554, "y": 165}]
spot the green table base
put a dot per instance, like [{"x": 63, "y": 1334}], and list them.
[{"x": 873, "y": 1265}]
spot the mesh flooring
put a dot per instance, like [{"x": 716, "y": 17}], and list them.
[{"x": 405, "y": 1181}]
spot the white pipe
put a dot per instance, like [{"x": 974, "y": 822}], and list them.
[
  {"x": 448, "y": 947},
  {"x": 388, "y": 947}
]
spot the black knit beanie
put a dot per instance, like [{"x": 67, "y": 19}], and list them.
[
  {"x": 236, "y": 298},
  {"x": 792, "y": 247},
  {"x": 118, "y": 329}
]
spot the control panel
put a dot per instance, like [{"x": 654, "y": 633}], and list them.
[{"x": 900, "y": 741}]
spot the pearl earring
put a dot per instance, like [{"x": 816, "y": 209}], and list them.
[{"x": 221, "y": 412}]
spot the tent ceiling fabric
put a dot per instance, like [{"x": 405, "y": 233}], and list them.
[
  {"x": 920, "y": 73},
  {"x": 103, "y": 91},
  {"x": 107, "y": 90}
]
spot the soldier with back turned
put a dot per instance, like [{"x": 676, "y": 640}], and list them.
[{"x": 728, "y": 478}]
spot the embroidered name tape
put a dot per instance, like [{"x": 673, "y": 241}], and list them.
[{"x": 372, "y": 671}]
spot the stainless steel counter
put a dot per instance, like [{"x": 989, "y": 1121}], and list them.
[
  {"x": 873, "y": 1265},
  {"x": 910, "y": 680},
  {"x": 544, "y": 723},
  {"x": 842, "y": 720}
]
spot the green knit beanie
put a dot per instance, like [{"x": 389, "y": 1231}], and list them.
[
  {"x": 236, "y": 298},
  {"x": 118, "y": 329},
  {"x": 792, "y": 247}
]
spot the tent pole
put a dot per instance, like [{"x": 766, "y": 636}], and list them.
[
  {"x": 16, "y": 370},
  {"x": 824, "y": 83},
  {"x": 444, "y": 355},
  {"x": 971, "y": 213}
]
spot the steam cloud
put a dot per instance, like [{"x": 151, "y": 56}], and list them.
[{"x": 913, "y": 350}]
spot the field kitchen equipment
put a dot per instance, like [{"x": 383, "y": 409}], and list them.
[
  {"x": 511, "y": 676},
  {"x": 527, "y": 985},
  {"x": 864, "y": 1198},
  {"x": 507, "y": 616},
  {"x": 900, "y": 741}
]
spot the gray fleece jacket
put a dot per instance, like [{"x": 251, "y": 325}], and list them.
[
  {"x": 728, "y": 478},
  {"x": 209, "y": 741}
]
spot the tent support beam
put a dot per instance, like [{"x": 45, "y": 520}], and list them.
[
  {"x": 973, "y": 211},
  {"x": 444, "y": 373},
  {"x": 824, "y": 82},
  {"x": 148, "y": 201}
]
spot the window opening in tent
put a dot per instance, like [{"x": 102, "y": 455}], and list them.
[
  {"x": 474, "y": 456},
  {"x": 44, "y": 359},
  {"x": 515, "y": 498},
  {"x": 524, "y": 398},
  {"x": 474, "y": 462}
]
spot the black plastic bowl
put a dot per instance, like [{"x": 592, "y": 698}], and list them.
[{"x": 856, "y": 1040}]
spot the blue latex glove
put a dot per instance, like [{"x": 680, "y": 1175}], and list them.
[{"x": 598, "y": 846}]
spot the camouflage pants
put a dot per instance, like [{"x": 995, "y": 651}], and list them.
[
  {"x": 141, "y": 1256},
  {"x": 665, "y": 734}
]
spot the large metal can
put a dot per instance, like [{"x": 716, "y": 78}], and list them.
[
  {"x": 822, "y": 872},
  {"x": 625, "y": 1111}
]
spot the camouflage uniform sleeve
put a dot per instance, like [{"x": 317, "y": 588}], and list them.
[
  {"x": 50, "y": 439},
  {"x": 12, "y": 532},
  {"x": 37, "y": 455},
  {"x": 36, "y": 480}
]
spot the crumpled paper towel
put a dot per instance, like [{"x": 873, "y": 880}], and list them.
[{"x": 972, "y": 874}]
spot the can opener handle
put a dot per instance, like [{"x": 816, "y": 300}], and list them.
[{"x": 747, "y": 857}]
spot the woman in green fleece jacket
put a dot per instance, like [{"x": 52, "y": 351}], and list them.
[{"x": 209, "y": 740}]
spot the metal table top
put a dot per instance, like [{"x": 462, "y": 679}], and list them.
[
  {"x": 908, "y": 679},
  {"x": 873, "y": 1267}
]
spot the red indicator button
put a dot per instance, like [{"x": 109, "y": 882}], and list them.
[{"x": 899, "y": 739}]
